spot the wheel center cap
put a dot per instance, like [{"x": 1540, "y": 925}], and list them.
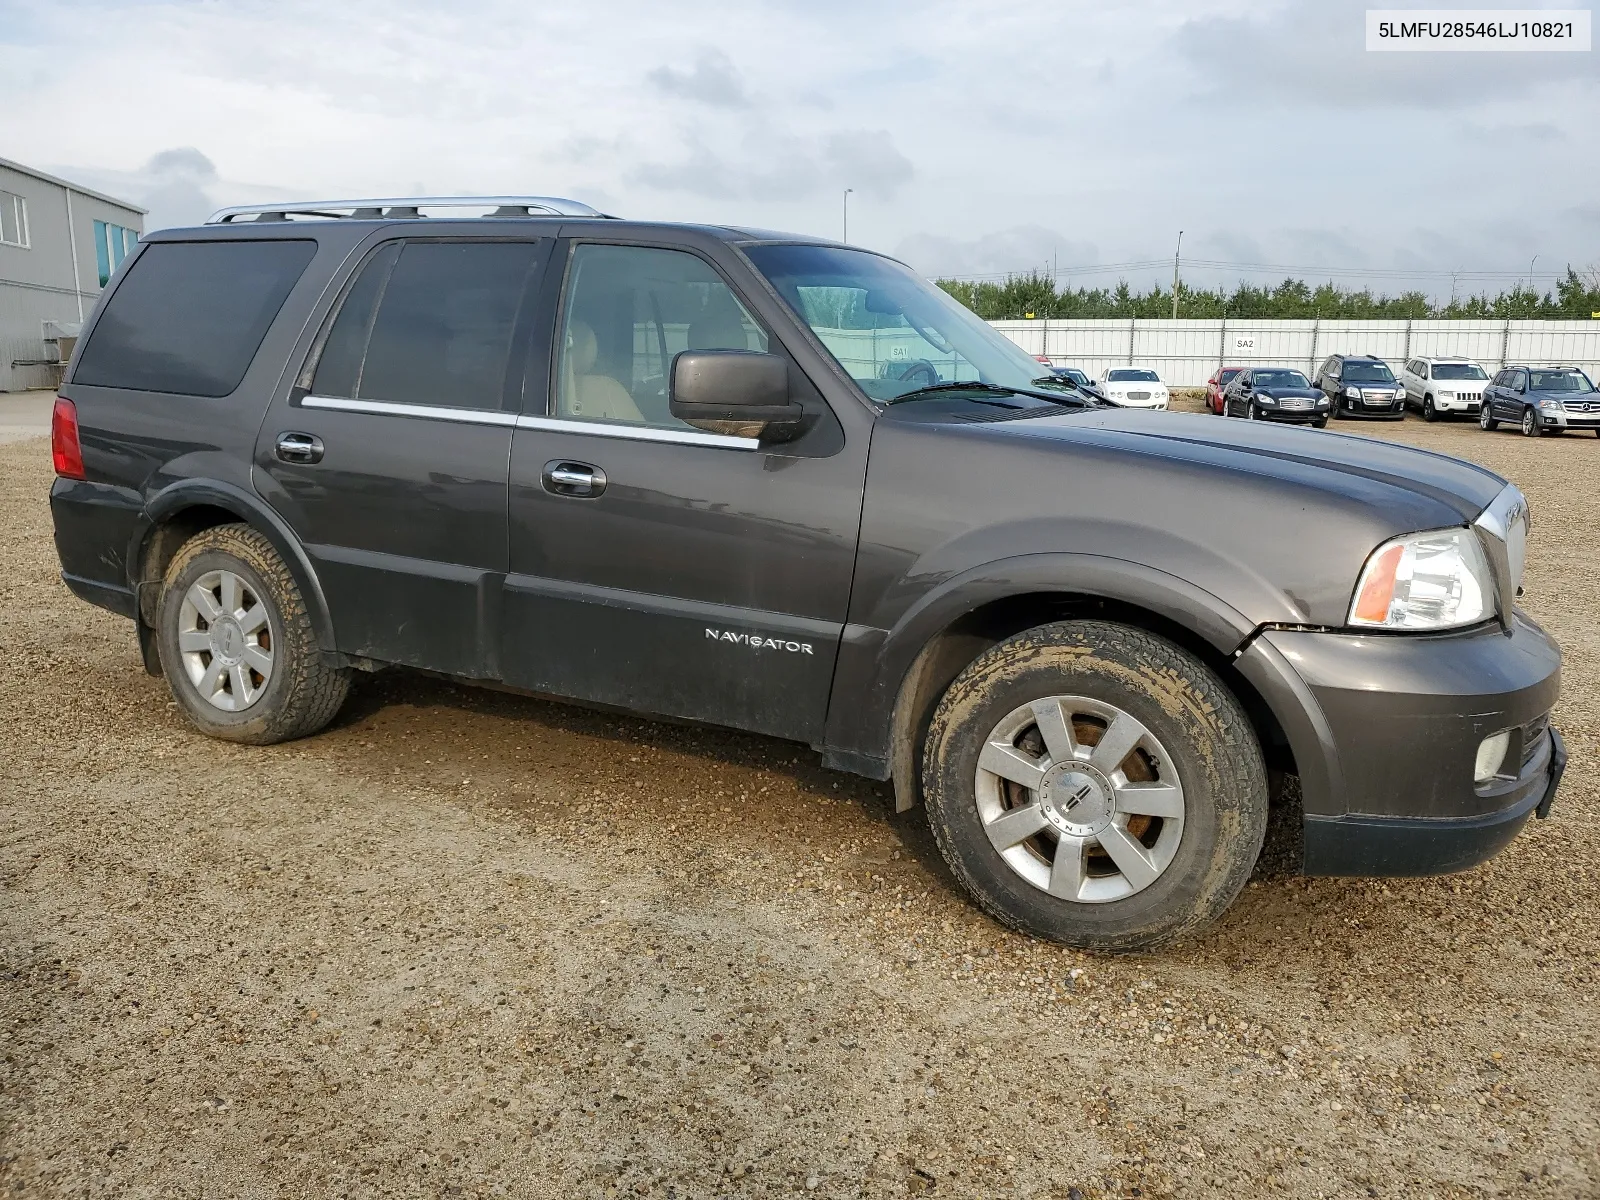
[
  {"x": 227, "y": 640},
  {"x": 1076, "y": 799}
]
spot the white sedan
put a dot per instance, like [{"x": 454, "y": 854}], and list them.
[{"x": 1135, "y": 387}]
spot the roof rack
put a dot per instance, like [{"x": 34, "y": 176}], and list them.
[{"x": 405, "y": 208}]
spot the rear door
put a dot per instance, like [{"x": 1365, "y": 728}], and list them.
[
  {"x": 389, "y": 461},
  {"x": 655, "y": 566}
]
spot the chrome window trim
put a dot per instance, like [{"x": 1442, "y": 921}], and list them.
[
  {"x": 1505, "y": 547},
  {"x": 481, "y": 416},
  {"x": 427, "y": 412},
  {"x": 639, "y": 433}
]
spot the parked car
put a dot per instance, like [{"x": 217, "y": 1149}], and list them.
[
  {"x": 1135, "y": 387},
  {"x": 1361, "y": 385},
  {"x": 1541, "y": 400},
  {"x": 1220, "y": 379},
  {"x": 1275, "y": 394},
  {"x": 622, "y": 463},
  {"x": 1079, "y": 379},
  {"x": 1438, "y": 387}
]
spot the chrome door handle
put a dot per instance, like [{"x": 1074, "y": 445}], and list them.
[
  {"x": 299, "y": 447},
  {"x": 563, "y": 478}
]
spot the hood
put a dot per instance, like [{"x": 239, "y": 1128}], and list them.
[
  {"x": 1283, "y": 393},
  {"x": 1438, "y": 489},
  {"x": 1274, "y": 521}
]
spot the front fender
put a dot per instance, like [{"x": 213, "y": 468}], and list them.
[{"x": 248, "y": 507}]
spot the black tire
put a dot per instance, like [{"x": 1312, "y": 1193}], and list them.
[
  {"x": 1320, "y": 423},
  {"x": 1429, "y": 413},
  {"x": 1179, "y": 700},
  {"x": 1486, "y": 421},
  {"x": 302, "y": 693},
  {"x": 1530, "y": 422},
  {"x": 1252, "y": 412}
]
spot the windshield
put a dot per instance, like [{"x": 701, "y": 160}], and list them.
[
  {"x": 1559, "y": 381},
  {"x": 1227, "y": 374},
  {"x": 1367, "y": 372},
  {"x": 1128, "y": 375},
  {"x": 889, "y": 328},
  {"x": 1073, "y": 374},
  {"x": 1458, "y": 371},
  {"x": 1279, "y": 379}
]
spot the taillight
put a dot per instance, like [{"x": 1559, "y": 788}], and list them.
[{"x": 64, "y": 446}]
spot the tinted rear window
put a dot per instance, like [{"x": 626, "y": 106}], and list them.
[
  {"x": 441, "y": 334},
  {"x": 190, "y": 316}
]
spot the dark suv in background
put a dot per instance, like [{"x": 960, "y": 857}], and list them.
[
  {"x": 1361, "y": 385},
  {"x": 1541, "y": 400},
  {"x": 667, "y": 469}
]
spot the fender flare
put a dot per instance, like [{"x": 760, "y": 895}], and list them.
[
  {"x": 880, "y": 717},
  {"x": 249, "y": 508}
]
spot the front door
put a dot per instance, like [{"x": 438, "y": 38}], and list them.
[
  {"x": 391, "y": 469},
  {"x": 655, "y": 566}
]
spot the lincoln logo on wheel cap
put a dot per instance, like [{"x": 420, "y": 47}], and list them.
[{"x": 1078, "y": 796}]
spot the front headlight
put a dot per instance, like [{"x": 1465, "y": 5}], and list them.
[
  {"x": 1434, "y": 580},
  {"x": 1266, "y": 400},
  {"x": 1550, "y": 405},
  {"x": 1353, "y": 393}
]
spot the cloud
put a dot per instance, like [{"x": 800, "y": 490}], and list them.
[
  {"x": 1315, "y": 55},
  {"x": 713, "y": 80},
  {"x": 768, "y": 166},
  {"x": 1008, "y": 251},
  {"x": 177, "y": 186}
]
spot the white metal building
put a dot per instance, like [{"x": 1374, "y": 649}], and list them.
[
  {"x": 59, "y": 243},
  {"x": 1185, "y": 353}
]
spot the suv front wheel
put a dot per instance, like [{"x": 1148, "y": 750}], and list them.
[
  {"x": 1095, "y": 784},
  {"x": 237, "y": 645}
]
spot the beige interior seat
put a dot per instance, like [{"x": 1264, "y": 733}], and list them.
[{"x": 587, "y": 394}]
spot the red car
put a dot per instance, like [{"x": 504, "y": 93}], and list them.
[{"x": 1220, "y": 378}]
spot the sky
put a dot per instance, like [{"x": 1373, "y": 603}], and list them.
[{"x": 977, "y": 139}]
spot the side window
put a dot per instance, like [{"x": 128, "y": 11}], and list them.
[
  {"x": 1519, "y": 380},
  {"x": 627, "y": 312},
  {"x": 429, "y": 323},
  {"x": 190, "y": 316}
]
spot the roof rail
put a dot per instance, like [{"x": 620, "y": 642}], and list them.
[{"x": 405, "y": 207}]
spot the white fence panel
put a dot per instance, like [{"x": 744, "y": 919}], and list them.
[{"x": 1185, "y": 353}]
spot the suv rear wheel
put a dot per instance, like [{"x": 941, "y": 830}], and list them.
[
  {"x": 237, "y": 645},
  {"x": 1095, "y": 784}
]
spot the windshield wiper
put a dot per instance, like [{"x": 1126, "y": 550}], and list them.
[{"x": 976, "y": 385}]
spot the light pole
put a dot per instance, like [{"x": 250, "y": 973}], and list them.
[
  {"x": 1531, "y": 261},
  {"x": 846, "y": 236},
  {"x": 1176, "y": 254}
]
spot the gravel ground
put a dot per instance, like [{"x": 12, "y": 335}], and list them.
[{"x": 468, "y": 944}]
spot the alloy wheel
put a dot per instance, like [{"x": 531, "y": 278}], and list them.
[
  {"x": 225, "y": 637},
  {"x": 1530, "y": 423},
  {"x": 1080, "y": 799}
]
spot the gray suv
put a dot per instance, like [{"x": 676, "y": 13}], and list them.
[{"x": 679, "y": 470}]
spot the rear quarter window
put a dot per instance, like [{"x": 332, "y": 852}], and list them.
[{"x": 190, "y": 316}]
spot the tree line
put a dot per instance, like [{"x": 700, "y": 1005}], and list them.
[{"x": 1575, "y": 297}]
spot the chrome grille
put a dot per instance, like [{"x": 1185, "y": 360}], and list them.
[
  {"x": 1294, "y": 404},
  {"x": 1138, "y": 395},
  {"x": 1583, "y": 406}
]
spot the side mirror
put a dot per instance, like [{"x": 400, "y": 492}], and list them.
[{"x": 742, "y": 393}]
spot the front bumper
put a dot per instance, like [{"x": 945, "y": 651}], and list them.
[
  {"x": 1568, "y": 420},
  {"x": 1292, "y": 416},
  {"x": 1394, "y": 410},
  {"x": 1400, "y": 719}
]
